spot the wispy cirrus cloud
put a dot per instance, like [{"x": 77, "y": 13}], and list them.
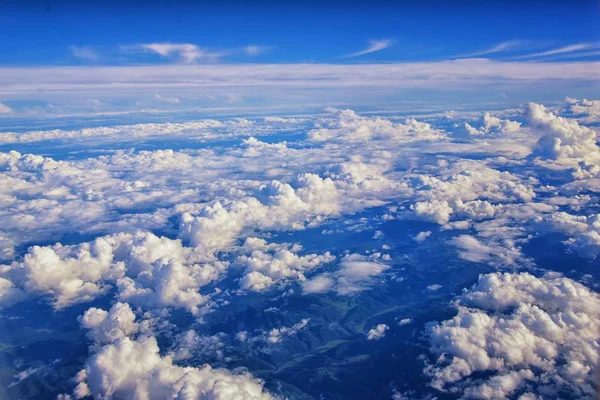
[
  {"x": 84, "y": 53},
  {"x": 187, "y": 53},
  {"x": 374, "y": 45},
  {"x": 573, "y": 48},
  {"x": 498, "y": 48}
]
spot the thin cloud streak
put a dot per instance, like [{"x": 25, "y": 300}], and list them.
[
  {"x": 561, "y": 50},
  {"x": 125, "y": 80},
  {"x": 374, "y": 45},
  {"x": 500, "y": 47}
]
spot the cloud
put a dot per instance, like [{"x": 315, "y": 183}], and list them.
[
  {"x": 255, "y": 50},
  {"x": 561, "y": 50},
  {"x": 170, "y": 100},
  {"x": 378, "y": 332},
  {"x": 522, "y": 331},
  {"x": 185, "y": 52},
  {"x": 144, "y": 80},
  {"x": 583, "y": 229},
  {"x": 422, "y": 236},
  {"x": 587, "y": 111},
  {"x": 351, "y": 127},
  {"x": 106, "y": 327},
  {"x": 4, "y": 109},
  {"x": 84, "y": 53},
  {"x": 355, "y": 275},
  {"x": 374, "y": 45},
  {"x": 277, "y": 265},
  {"x": 491, "y": 124},
  {"x": 563, "y": 139},
  {"x": 134, "y": 368},
  {"x": 499, "y": 48}
]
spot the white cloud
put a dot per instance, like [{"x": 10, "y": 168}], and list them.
[
  {"x": 374, "y": 45},
  {"x": 170, "y": 100},
  {"x": 126, "y": 81},
  {"x": 350, "y": 127},
  {"x": 542, "y": 332},
  {"x": 491, "y": 124},
  {"x": 561, "y": 50},
  {"x": 185, "y": 52},
  {"x": 84, "y": 53},
  {"x": 281, "y": 264},
  {"x": 106, "y": 327},
  {"x": 356, "y": 274},
  {"x": 378, "y": 332},
  {"x": 499, "y": 48},
  {"x": 134, "y": 368},
  {"x": 583, "y": 229},
  {"x": 563, "y": 139},
  {"x": 422, "y": 236},
  {"x": 4, "y": 109},
  {"x": 255, "y": 50}
]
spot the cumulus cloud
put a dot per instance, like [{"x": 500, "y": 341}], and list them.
[
  {"x": 523, "y": 331},
  {"x": 584, "y": 231},
  {"x": 563, "y": 139},
  {"x": 356, "y": 274},
  {"x": 148, "y": 271},
  {"x": 491, "y": 124},
  {"x": 107, "y": 327},
  {"x": 135, "y": 368},
  {"x": 278, "y": 206},
  {"x": 378, "y": 332},
  {"x": 422, "y": 236},
  {"x": 584, "y": 110},
  {"x": 264, "y": 269},
  {"x": 350, "y": 127}
]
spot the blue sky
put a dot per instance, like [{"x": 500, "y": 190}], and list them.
[
  {"x": 520, "y": 42},
  {"x": 43, "y": 33}
]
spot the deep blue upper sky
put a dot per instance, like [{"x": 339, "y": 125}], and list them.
[{"x": 44, "y": 33}]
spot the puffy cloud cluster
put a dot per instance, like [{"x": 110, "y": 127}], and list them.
[
  {"x": 270, "y": 265},
  {"x": 356, "y": 274},
  {"x": 127, "y": 367},
  {"x": 106, "y": 327},
  {"x": 583, "y": 229},
  {"x": 148, "y": 271},
  {"x": 529, "y": 333},
  {"x": 277, "y": 206},
  {"x": 218, "y": 199},
  {"x": 563, "y": 139},
  {"x": 491, "y": 124},
  {"x": 585, "y": 110},
  {"x": 135, "y": 369},
  {"x": 351, "y": 127},
  {"x": 468, "y": 193}
]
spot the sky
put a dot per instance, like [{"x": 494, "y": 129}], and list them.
[{"x": 64, "y": 58}]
